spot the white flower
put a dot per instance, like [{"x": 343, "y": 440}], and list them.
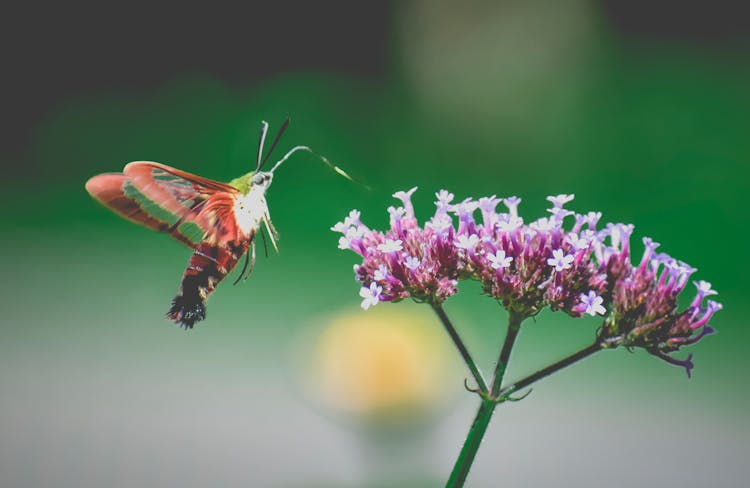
[
  {"x": 404, "y": 196},
  {"x": 440, "y": 223},
  {"x": 412, "y": 262},
  {"x": 344, "y": 243},
  {"x": 512, "y": 204},
  {"x": 351, "y": 234},
  {"x": 468, "y": 243},
  {"x": 544, "y": 225},
  {"x": 370, "y": 296},
  {"x": 510, "y": 224},
  {"x": 390, "y": 245},
  {"x": 593, "y": 303},
  {"x": 498, "y": 260},
  {"x": 559, "y": 260},
  {"x": 444, "y": 197},
  {"x": 704, "y": 288},
  {"x": 396, "y": 213},
  {"x": 381, "y": 273},
  {"x": 578, "y": 243},
  {"x": 560, "y": 200},
  {"x": 465, "y": 208},
  {"x": 352, "y": 219},
  {"x": 488, "y": 204}
]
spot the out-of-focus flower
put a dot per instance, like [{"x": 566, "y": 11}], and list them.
[{"x": 386, "y": 366}]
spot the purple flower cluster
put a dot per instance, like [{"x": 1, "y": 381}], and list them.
[
  {"x": 406, "y": 261},
  {"x": 645, "y": 309},
  {"x": 563, "y": 261}
]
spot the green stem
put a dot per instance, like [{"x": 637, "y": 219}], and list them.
[
  {"x": 514, "y": 326},
  {"x": 484, "y": 414},
  {"x": 552, "y": 368},
  {"x": 471, "y": 445},
  {"x": 481, "y": 384}
]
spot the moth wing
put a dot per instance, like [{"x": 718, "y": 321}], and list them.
[{"x": 188, "y": 207}]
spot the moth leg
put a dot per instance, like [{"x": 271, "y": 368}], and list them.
[
  {"x": 244, "y": 267},
  {"x": 251, "y": 252},
  {"x": 272, "y": 234},
  {"x": 265, "y": 244}
]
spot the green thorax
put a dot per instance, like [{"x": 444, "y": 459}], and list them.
[{"x": 243, "y": 183}]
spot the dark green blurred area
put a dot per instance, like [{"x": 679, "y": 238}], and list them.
[{"x": 654, "y": 135}]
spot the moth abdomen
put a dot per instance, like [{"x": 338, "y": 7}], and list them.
[
  {"x": 187, "y": 309},
  {"x": 208, "y": 265}
]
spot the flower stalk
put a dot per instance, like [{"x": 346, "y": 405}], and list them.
[
  {"x": 514, "y": 327},
  {"x": 475, "y": 372},
  {"x": 472, "y": 443},
  {"x": 552, "y": 368}
]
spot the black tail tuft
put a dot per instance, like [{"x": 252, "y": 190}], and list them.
[{"x": 186, "y": 310}]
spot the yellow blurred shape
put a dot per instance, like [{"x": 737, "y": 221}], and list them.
[{"x": 387, "y": 359}]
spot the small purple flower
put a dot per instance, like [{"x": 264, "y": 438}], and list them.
[
  {"x": 344, "y": 243},
  {"x": 370, "y": 296},
  {"x": 381, "y": 273},
  {"x": 405, "y": 197},
  {"x": 512, "y": 204},
  {"x": 444, "y": 199},
  {"x": 559, "y": 260},
  {"x": 351, "y": 236},
  {"x": 592, "y": 218},
  {"x": 440, "y": 223},
  {"x": 412, "y": 262},
  {"x": 593, "y": 304},
  {"x": 390, "y": 245},
  {"x": 396, "y": 213},
  {"x": 352, "y": 219},
  {"x": 488, "y": 204},
  {"x": 499, "y": 260},
  {"x": 509, "y": 224},
  {"x": 559, "y": 200},
  {"x": 544, "y": 225},
  {"x": 704, "y": 289},
  {"x": 559, "y": 213},
  {"x": 468, "y": 243},
  {"x": 578, "y": 243}
]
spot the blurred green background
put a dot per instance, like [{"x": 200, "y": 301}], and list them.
[{"x": 507, "y": 98}]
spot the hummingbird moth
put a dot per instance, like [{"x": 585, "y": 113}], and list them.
[{"x": 219, "y": 221}]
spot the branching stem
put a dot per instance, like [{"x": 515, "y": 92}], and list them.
[
  {"x": 498, "y": 394},
  {"x": 484, "y": 414},
  {"x": 481, "y": 384},
  {"x": 552, "y": 368}
]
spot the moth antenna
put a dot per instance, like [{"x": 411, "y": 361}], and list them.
[
  {"x": 263, "y": 131},
  {"x": 325, "y": 160},
  {"x": 275, "y": 142}
]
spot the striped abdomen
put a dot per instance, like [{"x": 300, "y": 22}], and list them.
[{"x": 208, "y": 265}]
